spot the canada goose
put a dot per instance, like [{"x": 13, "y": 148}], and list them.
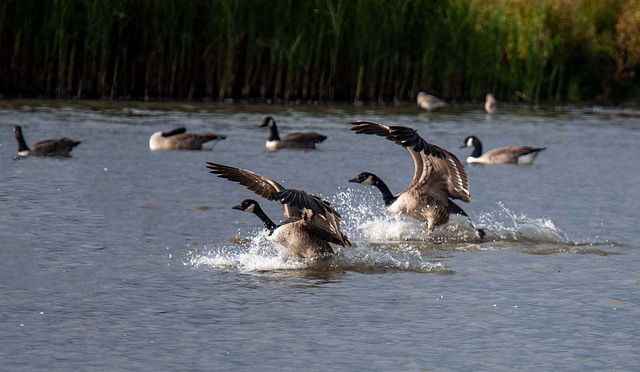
[
  {"x": 310, "y": 224},
  {"x": 501, "y": 155},
  {"x": 52, "y": 147},
  {"x": 490, "y": 104},
  {"x": 305, "y": 140},
  {"x": 429, "y": 102},
  {"x": 439, "y": 177},
  {"x": 177, "y": 139}
]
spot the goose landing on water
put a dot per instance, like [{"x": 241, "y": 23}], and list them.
[
  {"x": 438, "y": 178},
  {"x": 310, "y": 225},
  {"x": 177, "y": 139},
  {"x": 501, "y": 155},
  {"x": 50, "y": 148},
  {"x": 306, "y": 140}
]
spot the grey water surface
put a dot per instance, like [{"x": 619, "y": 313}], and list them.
[{"x": 122, "y": 258}]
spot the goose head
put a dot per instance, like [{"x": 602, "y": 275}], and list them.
[
  {"x": 17, "y": 131},
  {"x": 365, "y": 178},
  {"x": 471, "y": 141},
  {"x": 247, "y": 205},
  {"x": 267, "y": 122}
]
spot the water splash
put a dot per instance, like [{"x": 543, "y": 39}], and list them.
[
  {"x": 365, "y": 217},
  {"x": 258, "y": 254},
  {"x": 502, "y": 224}
]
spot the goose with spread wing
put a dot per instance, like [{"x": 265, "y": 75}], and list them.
[
  {"x": 178, "y": 139},
  {"x": 298, "y": 140},
  {"x": 59, "y": 147},
  {"x": 501, "y": 155},
  {"x": 439, "y": 177},
  {"x": 310, "y": 225}
]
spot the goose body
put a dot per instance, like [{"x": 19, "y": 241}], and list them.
[
  {"x": 490, "y": 104},
  {"x": 310, "y": 223},
  {"x": 60, "y": 147},
  {"x": 429, "y": 102},
  {"x": 501, "y": 155},
  {"x": 177, "y": 139},
  {"x": 298, "y": 140},
  {"x": 439, "y": 177}
]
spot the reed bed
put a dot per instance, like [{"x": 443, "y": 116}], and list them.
[{"x": 328, "y": 50}]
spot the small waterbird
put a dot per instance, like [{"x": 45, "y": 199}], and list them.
[
  {"x": 501, "y": 155},
  {"x": 490, "y": 104},
  {"x": 178, "y": 139},
  {"x": 429, "y": 102},
  {"x": 60, "y": 147},
  {"x": 306, "y": 140}
]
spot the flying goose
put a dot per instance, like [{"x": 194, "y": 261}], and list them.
[
  {"x": 429, "y": 102},
  {"x": 439, "y": 177},
  {"x": 305, "y": 140},
  {"x": 52, "y": 147},
  {"x": 177, "y": 139},
  {"x": 501, "y": 155},
  {"x": 310, "y": 224},
  {"x": 490, "y": 104}
]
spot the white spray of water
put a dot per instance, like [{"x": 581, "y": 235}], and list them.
[{"x": 369, "y": 225}]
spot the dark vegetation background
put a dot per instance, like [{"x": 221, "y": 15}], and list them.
[{"x": 329, "y": 50}]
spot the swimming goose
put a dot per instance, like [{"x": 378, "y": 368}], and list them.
[
  {"x": 501, "y": 155},
  {"x": 51, "y": 148},
  {"x": 429, "y": 102},
  {"x": 305, "y": 140},
  {"x": 177, "y": 139},
  {"x": 439, "y": 177},
  {"x": 310, "y": 224},
  {"x": 490, "y": 104}
]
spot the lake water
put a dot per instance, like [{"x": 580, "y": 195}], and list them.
[{"x": 123, "y": 258}]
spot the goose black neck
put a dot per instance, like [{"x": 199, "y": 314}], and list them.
[
  {"x": 268, "y": 223},
  {"x": 477, "y": 149},
  {"x": 273, "y": 132},
  {"x": 22, "y": 145},
  {"x": 387, "y": 196}
]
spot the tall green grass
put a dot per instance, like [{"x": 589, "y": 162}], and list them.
[{"x": 350, "y": 50}]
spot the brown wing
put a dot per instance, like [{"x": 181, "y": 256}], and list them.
[
  {"x": 54, "y": 147},
  {"x": 192, "y": 141},
  {"x": 262, "y": 186},
  {"x": 434, "y": 166},
  {"x": 509, "y": 154},
  {"x": 319, "y": 217},
  {"x": 309, "y": 137},
  {"x": 366, "y": 127}
]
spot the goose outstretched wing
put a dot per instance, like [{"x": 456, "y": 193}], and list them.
[
  {"x": 265, "y": 187},
  {"x": 436, "y": 169}
]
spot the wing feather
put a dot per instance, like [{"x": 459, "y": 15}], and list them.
[
  {"x": 436, "y": 168},
  {"x": 260, "y": 185},
  {"x": 318, "y": 215}
]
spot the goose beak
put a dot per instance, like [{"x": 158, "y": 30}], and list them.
[
  {"x": 354, "y": 180},
  {"x": 463, "y": 146},
  {"x": 238, "y": 207}
]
